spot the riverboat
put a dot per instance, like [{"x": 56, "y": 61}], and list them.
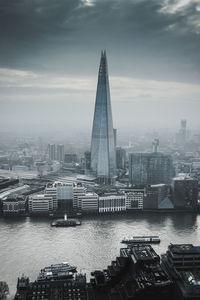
[
  {"x": 141, "y": 240},
  {"x": 63, "y": 270},
  {"x": 66, "y": 222}
]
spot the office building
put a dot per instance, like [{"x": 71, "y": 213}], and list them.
[
  {"x": 60, "y": 153},
  {"x": 150, "y": 168},
  {"x": 103, "y": 160},
  {"x": 52, "y": 151},
  {"x": 155, "y": 145},
  {"x": 70, "y": 158},
  {"x": 134, "y": 199},
  {"x": 61, "y": 194},
  {"x": 137, "y": 273},
  {"x": 78, "y": 191},
  {"x": 40, "y": 205},
  {"x": 87, "y": 162},
  {"x": 65, "y": 197},
  {"x": 182, "y": 263},
  {"x": 88, "y": 202},
  {"x": 158, "y": 196},
  {"x": 51, "y": 193},
  {"x": 14, "y": 205},
  {"x": 185, "y": 192},
  {"x": 120, "y": 158},
  {"x": 181, "y": 135},
  {"x": 112, "y": 203}
]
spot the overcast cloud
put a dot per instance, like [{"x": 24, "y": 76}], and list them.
[{"x": 49, "y": 58}]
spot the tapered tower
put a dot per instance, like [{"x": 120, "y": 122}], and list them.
[{"x": 103, "y": 161}]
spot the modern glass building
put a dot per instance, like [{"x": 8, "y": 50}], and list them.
[
  {"x": 103, "y": 157},
  {"x": 150, "y": 168}
]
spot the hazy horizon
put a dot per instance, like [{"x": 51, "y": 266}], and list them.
[{"x": 50, "y": 56}]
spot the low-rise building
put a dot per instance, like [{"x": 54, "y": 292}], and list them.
[
  {"x": 51, "y": 192},
  {"x": 185, "y": 192},
  {"x": 88, "y": 202},
  {"x": 14, "y": 205},
  {"x": 158, "y": 196},
  {"x": 78, "y": 191},
  {"x": 134, "y": 199},
  {"x": 112, "y": 203},
  {"x": 40, "y": 205},
  {"x": 65, "y": 195}
]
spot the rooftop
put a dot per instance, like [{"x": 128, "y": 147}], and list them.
[
  {"x": 144, "y": 252},
  {"x": 184, "y": 248},
  {"x": 112, "y": 196},
  {"x": 15, "y": 190},
  {"x": 191, "y": 277},
  {"x": 183, "y": 176},
  {"x": 37, "y": 197},
  {"x": 14, "y": 198}
]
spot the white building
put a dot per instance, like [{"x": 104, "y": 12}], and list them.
[
  {"x": 39, "y": 204},
  {"x": 112, "y": 203},
  {"x": 59, "y": 191},
  {"x": 134, "y": 199},
  {"x": 51, "y": 193},
  {"x": 88, "y": 202},
  {"x": 78, "y": 191}
]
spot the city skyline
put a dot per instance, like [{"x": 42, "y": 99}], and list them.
[{"x": 89, "y": 161}]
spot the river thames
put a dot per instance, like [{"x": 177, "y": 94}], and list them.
[{"x": 29, "y": 244}]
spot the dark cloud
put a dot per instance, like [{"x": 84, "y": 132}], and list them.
[{"x": 144, "y": 38}]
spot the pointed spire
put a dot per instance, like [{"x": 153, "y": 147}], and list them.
[
  {"x": 102, "y": 144},
  {"x": 103, "y": 54}
]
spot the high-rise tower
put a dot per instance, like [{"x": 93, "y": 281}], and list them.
[{"x": 103, "y": 161}]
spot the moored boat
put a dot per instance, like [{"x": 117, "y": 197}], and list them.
[
  {"x": 141, "y": 240},
  {"x": 65, "y": 222},
  {"x": 63, "y": 270}
]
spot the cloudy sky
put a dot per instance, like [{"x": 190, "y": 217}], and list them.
[{"x": 50, "y": 52}]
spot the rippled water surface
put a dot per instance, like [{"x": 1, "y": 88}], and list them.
[{"x": 27, "y": 245}]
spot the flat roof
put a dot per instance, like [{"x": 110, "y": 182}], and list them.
[
  {"x": 39, "y": 196},
  {"x": 144, "y": 252},
  {"x": 86, "y": 177},
  {"x": 184, "y": 248},
  {"x": 15, "y": 190}
]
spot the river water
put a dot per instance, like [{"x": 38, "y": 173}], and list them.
[{"x": 29, "y": 244}]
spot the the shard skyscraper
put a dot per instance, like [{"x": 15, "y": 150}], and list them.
[{"x": 103, "y": 161}]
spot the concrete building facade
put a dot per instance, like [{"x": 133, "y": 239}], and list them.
[
  {"x": 114, "y": 203},
  {"x": 88, "y": 202}
]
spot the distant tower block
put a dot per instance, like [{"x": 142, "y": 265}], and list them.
[
  {"x": 183, "y": 131},
  {"x": 155, "y": 145},
  {"x": 183, "y": 124},
  {"x": 60, "y": 152},
  {"x": 103, "y": 157}
]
